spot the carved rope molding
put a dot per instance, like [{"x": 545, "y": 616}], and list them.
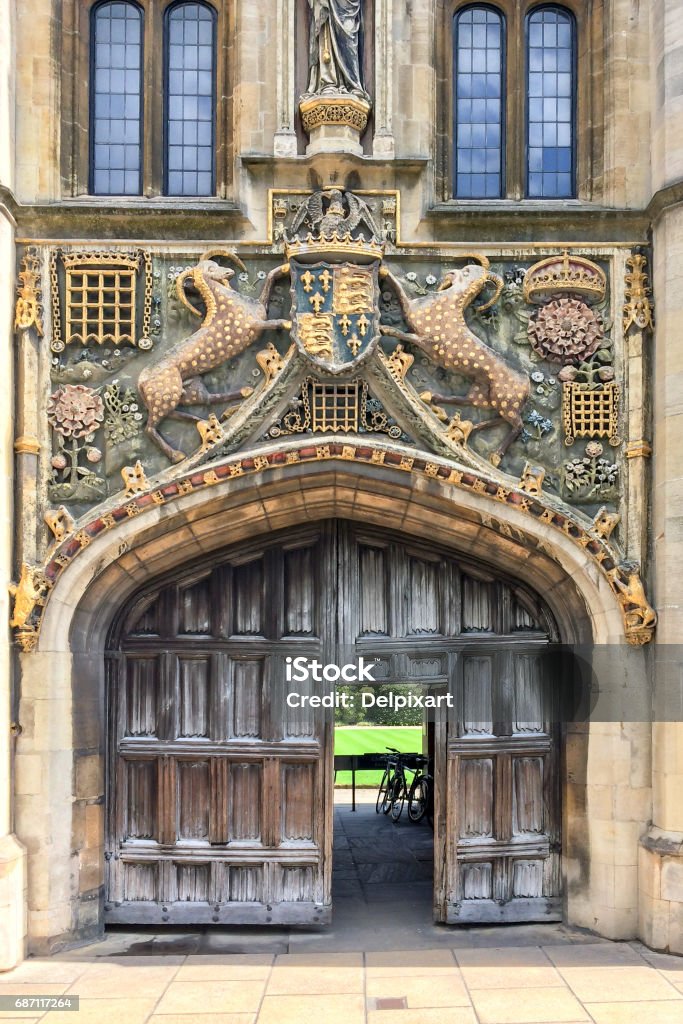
[{"x": 32, "y": 593}]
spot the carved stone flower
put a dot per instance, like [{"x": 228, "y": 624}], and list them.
[
  {"x": 593, "y": 449},
  {"x": 75, "y": 410},
  {"x": 566, "y": 330}
]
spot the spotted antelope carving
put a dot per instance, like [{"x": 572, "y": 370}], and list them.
[
  {"x": 436, "y": 324},
  {"x": 232, "y": 322}
]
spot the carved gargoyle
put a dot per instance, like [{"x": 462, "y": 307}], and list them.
[
  {"x": 28, "y": 593},
  {"x": 134, "y": 479},
  {"x": 60, "y": 522},
  {"x": 436, "y": 324},
  {"x": 640, "y": 617},
  {"x": 232, "y": 323},
  {"x": 532, "y": 478}
]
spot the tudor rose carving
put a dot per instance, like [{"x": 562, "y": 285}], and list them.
[{"x": 231, "y": 323}]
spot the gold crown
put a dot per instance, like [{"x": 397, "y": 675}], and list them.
[
  {"x": 564, "y": 273},
  {"x": 334, "y": 244}
]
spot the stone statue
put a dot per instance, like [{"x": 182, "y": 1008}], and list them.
[{"x": 334, "y": 48}]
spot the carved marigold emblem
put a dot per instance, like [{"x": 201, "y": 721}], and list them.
[
  {"x": 75, "y": 410},
  {"x": 566, "y": 331}
]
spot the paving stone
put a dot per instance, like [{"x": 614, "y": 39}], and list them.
[
  {"x": 312, "y": 1009},
  {"x": 421, "y": 991},
  {"x": 617, "y": 983},
  {"x": 211, "y": 997},
  {"x": 527, "y": 1006},
  {"x": 645, "y": 1012}
]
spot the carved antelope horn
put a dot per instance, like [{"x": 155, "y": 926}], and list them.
[
  {"x": 498, "y": 282},
  {"x": 226, "y": 254},
  {"x": 494, "y": 278},
  {"x": 191, "y": 271},
  {"x": 180, "y": 290},
  {"x": 478, "y": 256}
]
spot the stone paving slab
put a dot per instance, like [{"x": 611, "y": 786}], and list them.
[{"x": 589, "y": 983}]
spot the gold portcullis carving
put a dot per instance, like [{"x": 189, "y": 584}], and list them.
[
  {"x": 590, "y": 410},
  {"x": 101, "y": 298}
]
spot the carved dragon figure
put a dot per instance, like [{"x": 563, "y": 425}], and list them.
[
  {"x": 232, "y": 322},
  {"x": 436, "y": 324}
]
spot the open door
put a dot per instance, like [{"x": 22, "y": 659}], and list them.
[
  {"x": 502, "y": 796},
  {"x": 219, "y": 794}
]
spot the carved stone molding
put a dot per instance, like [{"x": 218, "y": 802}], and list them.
[
  {"x": 33, "y": 590},
  {"x": 341, "y": 109}
]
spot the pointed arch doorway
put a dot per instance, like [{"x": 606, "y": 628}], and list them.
[{"x": 220, "y": 795}]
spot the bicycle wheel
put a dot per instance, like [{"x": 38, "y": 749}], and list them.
[
  {"x": 388, "y": 795},
  {"x": 381, "y": 792},
  {"x": 418, "y": 798},
  {"x": 398, "y": 798}
]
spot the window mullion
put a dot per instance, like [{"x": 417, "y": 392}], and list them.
[
  {"x": 516, "y": 106},
  {"x": 154, "y": 106}
]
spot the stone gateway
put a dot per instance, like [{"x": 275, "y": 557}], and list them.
[{"x": 345, "y": 335}]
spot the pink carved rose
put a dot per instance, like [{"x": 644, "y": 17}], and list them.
[{"x": 75, "y": 410}]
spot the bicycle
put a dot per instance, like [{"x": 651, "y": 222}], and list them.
[
  {"x": 398, "y": 790},
  {"x": 382, "y": 803},
  {"x": 421, "y": 795}
]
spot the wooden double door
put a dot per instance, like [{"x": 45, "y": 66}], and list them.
[{"x": 220, "y": 793}]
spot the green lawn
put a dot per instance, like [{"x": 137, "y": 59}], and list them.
[{"x": 353, "y": 739}]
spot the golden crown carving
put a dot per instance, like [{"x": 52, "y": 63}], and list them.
[
  {"x": 336, "y": 241},
  {"x": 564, "y": 273}
]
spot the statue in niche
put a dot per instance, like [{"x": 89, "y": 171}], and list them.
[{"x": 334, "y": 48}]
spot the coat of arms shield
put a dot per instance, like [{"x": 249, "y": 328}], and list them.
[{"x": 335, "y": 312}]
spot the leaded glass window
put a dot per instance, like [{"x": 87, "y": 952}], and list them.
[
  {"x": 190, "y": 103},
  {"x": 478, "y": 55},
  {"x": 550, "y": 99},
  {"x": 116, "y": 99}
]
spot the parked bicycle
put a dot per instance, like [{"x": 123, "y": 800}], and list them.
[
  {"x": 421, "y": 795},
  {"x": 383, "y": 803},
  {"x": 394, "y": 789},
  {"x": 397, "y": 788}
]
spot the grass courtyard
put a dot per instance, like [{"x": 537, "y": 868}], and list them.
[{"x": 373, "y": 739}]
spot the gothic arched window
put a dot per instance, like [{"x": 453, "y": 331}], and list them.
[
  {"x": 479, "y": 102},
  {"x": 550, "y": 103},
  {"x": 190, "y": 100},
  {"x": 116, "y": 99},
  {"x": 519, "y": 104}
]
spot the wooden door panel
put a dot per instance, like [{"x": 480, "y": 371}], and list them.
[
  {"x": 141, "y": 696},
  {"x": 297, "y": 803},
  {"x": 139, "y": 780},
  {"x": 216, "y": 811},
  {"x": 247, "y": 682},
  {"x": 194, "y": 678},
  {"x": 245, "y": 804},
  {"x": 193, "y": 801},
  {"x": 502, "y": 789}
]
